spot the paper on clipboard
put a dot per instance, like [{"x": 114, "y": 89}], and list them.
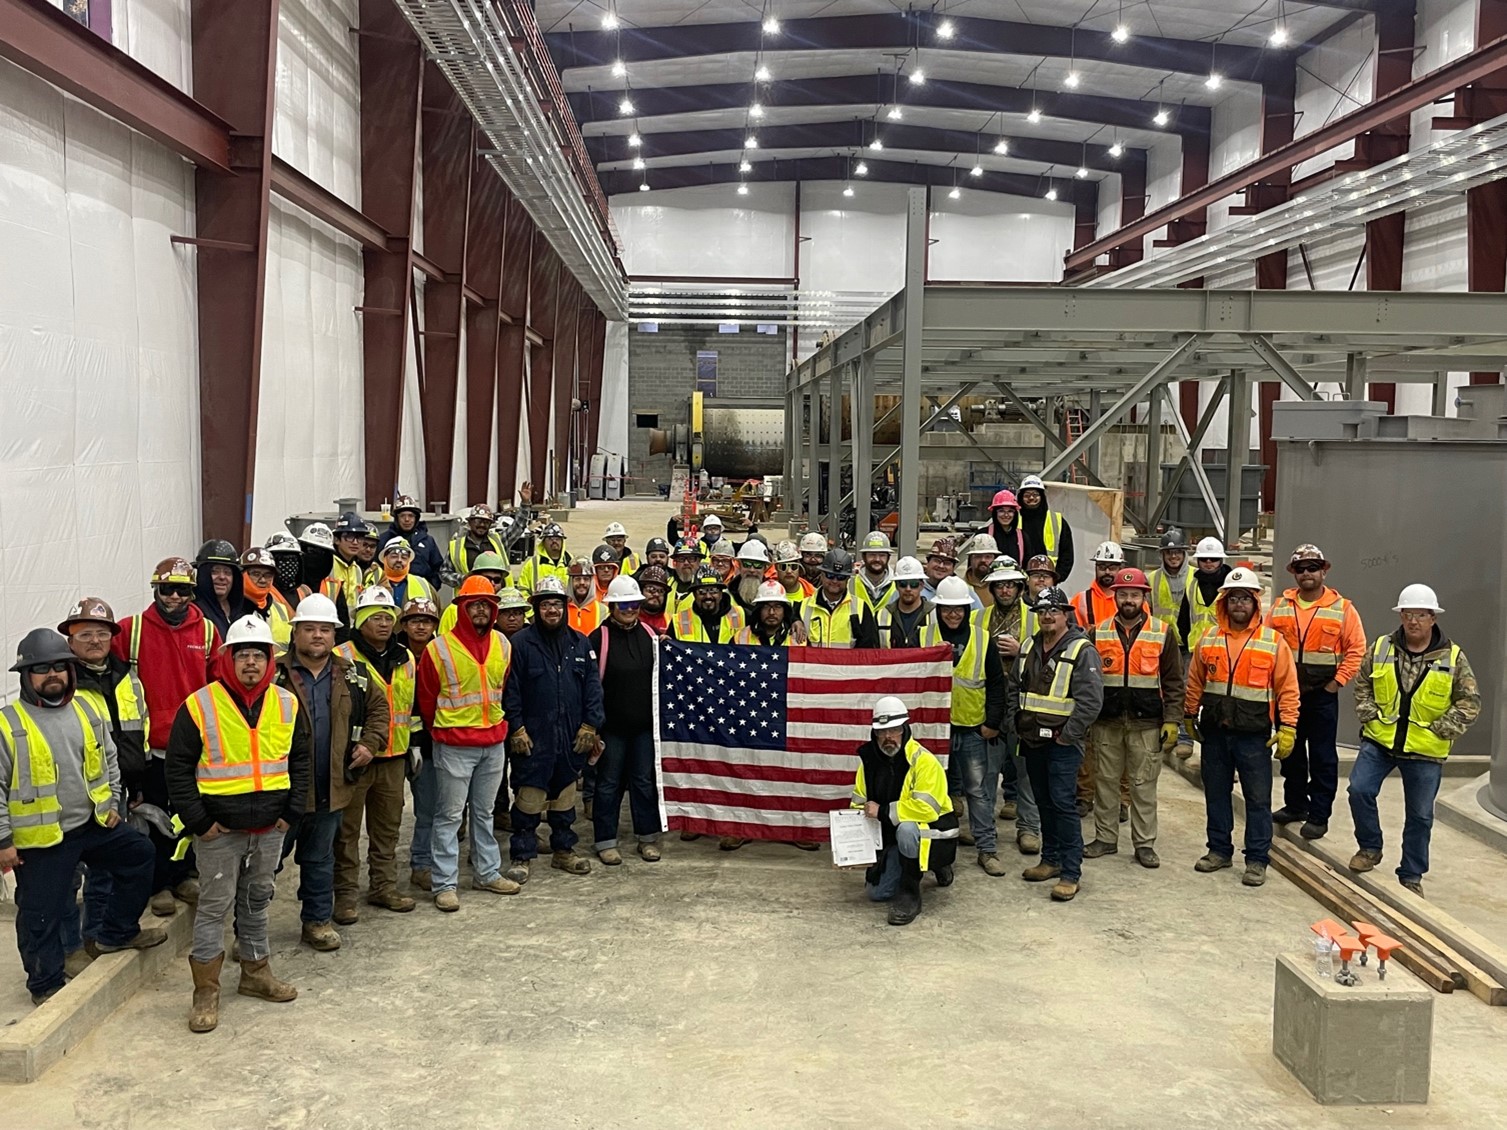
[{"x": 856, "y": 838}]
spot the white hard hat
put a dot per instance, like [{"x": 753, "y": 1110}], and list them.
[
  {"x": 890, "y": 712},
  {"x": 615, "y": 530},
  {"x": 909, "y": 569},
  {"x": 623, "y": 590},
  {"x": 785, "y": 553},
  {"x": 711, "y": 520},
  {"x": 982, "y": 543},
  {"x": 953, "y": 591},
  {"x": 397, "y": 541},
  {"x": 753, "y": 550},
  {"x": 249, "y": 630},
  {"x": 316, "y": 608},
  {"x": 1241, "y": 578},
  {"x": 281, "y": 542},
  {"x": 317, "y": 533},
  {"x": 1033, "y": 482},
  {"x": 721, "y": 548},
  {"x": 1417, "y": 596},
  {"x": 373, "y": 596},
  {"x": 813, "y": 543},
  {"x": 875, "y": 541},
  {"x": 1110, "y": 552},
  {"x": 1210, "y": 547},
  {"x": 1005, "y": 569},
  {"x": 771, "y": 591}
]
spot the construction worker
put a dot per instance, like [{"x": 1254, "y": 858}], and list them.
[
  {"x": 492, "y": 566},
  {"x": 832, "y": 618},
  {"x": 1196, "y": 616},
  {"x": 287, "y": 560},
  {"x": 1098, "y": 603},
  {"x": 259, "y": 583},
  {"x": 874, "y": 585},
  {"x": 1169, "y": 582},
  {"x": 548, "y": 560},
  {"x": 1415, "y": 696},
  {"x": 554, "y": 697},
  {"x": 240, "y": 765},
  {"x": 396, "y": 558},
  {"x": 348, "y": 718},
  {"x": 617, "y": 537},
  {"x": 316, "y": 547},
  {"x": 461, "y": 676},
  {"x": 1241, "y": 685},
  {"x": 1046, "y": 531},
  {"x": 418, "y": 624},
  {"x": 475, "y": 539},
  {"x": 654, "y": 583},
  {"x": 366, "y": 552},
  {"x": 1004, "y": 525},
  {"x": 377, "y": 793},
  {"x": 978, "y": 714},
  {"x": 408, "y": 524},
  {"x": 902, "y": 621},
  {"x": 657, "y": 552},
  {"x": 512, "y": 612},
  {"x": 1328, "y": 644},
  {"x": 604, "y": 564},
  {"x": 1143, "y": 704},
  {"x": 217, "y": 584},
  {"x": 686, "y": 561},
  {"x": 711, "y": 534},
  {"x": 902, "y": 785},
  {"x": 171, "y": 646},
  {"x": 347, "y": 570},
  {"x": 787, "y": 571},
  {"x": 60, "y": 806},
  {"x": 625, "y": 655},
  {"x": 979, "y": 555},
  {"x": 813, "y": 548},
  {"x": 941, "y": 562},
  {"x": 724, "y": 559},
  {"x": 753, "y": 563},
  {"x": 710, "y": 616},
  {"x": 1059, "y": 689},
  {"x": 1041, "y": 574},
  {"x": 585, "y": 609},
  {"x": 1011, "y": 621},
  {"x": 769, "y": 619}
]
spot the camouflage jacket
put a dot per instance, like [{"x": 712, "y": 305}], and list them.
[{"x": 1465, "y": 697}]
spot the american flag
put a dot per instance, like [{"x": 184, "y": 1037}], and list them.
[{"x": 762, "y": 742}]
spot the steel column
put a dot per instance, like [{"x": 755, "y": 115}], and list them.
[
  {"x": 1191, "y": 463},
  {"x": 834, "y": 453},
  {"x": 1387, "y": 236},
  {"x": 1238, "y": 448},
  {"x": 564, "y": 389},
  {"x": 813, "y": 468},
  {"x": 1095, "y": 410},
  {"x": 792, "y": 482},
  {"x": 1355, "y": 376},
  {"x": 863, "y": 445},
  {"x": 512, "y": 352},
  {"x": 593, "y": 361},
  {"x": 909, "y": 530},
  {"x": 1153, "y": 455}
]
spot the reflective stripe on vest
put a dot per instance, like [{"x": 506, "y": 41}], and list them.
[
  {"x": 130, "y": 704},
  {"x": 399, "y": 695},
  {"x": 1051, "y": 532},
  {"x": 967, "y": 669},
  {"x": 1251, "y": 679},
  {"x": 1058, "y": 700},
  {"x": 828, "y": 629},
  {"x": 1319, "y": 645},
  {"x": 36, "y": 813},
  {"x": 237, "y": 757},
  {"x": 1164, "y": 603},
  {"x": 470, "y": 694},
  {"x": 1200, "y": 615},
  {"x": 1430, "y": 700},
  {"x": 135, "y": 648},
  {"x": 1141, "y": 669},
  {"x": 689, "y": 627}
]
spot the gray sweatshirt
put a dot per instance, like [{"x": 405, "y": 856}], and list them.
[{"x": 60, "y": 727}]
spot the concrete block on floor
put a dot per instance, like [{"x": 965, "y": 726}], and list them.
[
  {"x": 1461, "y": 809},
  {"x": 1365, "y": 1043}
]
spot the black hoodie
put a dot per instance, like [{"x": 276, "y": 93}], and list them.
[
  {"x": 209, "y": 604},
  {"x": 1208, "y": 587},
  {"x": 1032, "y": 523}
]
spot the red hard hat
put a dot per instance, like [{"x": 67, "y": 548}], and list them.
[
  {"x": 1131, "y": 579},
  {"x": 1004, "y": 498}
]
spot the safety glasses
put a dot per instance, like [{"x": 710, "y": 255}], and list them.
[
  {"x": 907, "y": 584},
  {"x": 176, "y": 590},
  {"x": 1308, "y": 567},
  {"x": 629, "y": 605},
  {"x": 57, "y": 668}
]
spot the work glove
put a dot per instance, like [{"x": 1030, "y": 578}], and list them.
[
  {"x": 1281, "y": 742},
  {"x": 520, "y": 743},
  {"x": 1169, "y": 736},
  {"x": 586, "y": 738},
  {"x": 1190, "y": 723}
]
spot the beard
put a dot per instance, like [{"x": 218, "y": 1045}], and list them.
[{"x": 748, "y": 588}]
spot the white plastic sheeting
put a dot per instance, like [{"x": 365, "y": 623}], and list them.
[
  {"x": 613, "y": 409},
  {"x": 99, "y": 467},
  {"x": 411, "y": 444},
  {"x": 157, "y": 34},
  {"x": 317, "y": 126},
  {"x": 1334, "y": 79}
]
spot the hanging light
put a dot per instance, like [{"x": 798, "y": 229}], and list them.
[
  {"x": 1215, "y": 78},
  {"x": 977, "y": 170},
  {"x": 1213, "y": 81},
  {"x": 1117, "y": 150},
  {"x": 619, "y": 69},
  {"x": 644, "y": 187},
  {"x": 917, "y": 77},
  {"x": 1082, "y": 173},
  {"x": 1279, "y": 36},
  {"x": 634, "y": 141},
  {"x": 756, "y": 110},
  {"x": 762, "y": 74},
  {"x": 638, "y": 162},
  {"x": 1072, "y": 80},
  {"x": 946, "y": 30},
  {"x": 1121, "y": 34},
  {"x": 1002, "y": 147},
  {"x": 1162, "y": 117},
  {"x": 742, "y": 189},
  {"x": 610, "y": 22},
  {"x": 861, "y": 169},
  {"x": 744, "y": 166},
  {"x": 625, "y": 107},
  {"x": 895, "y": 114},
  {"x": 1051, "y": 192},
  {"x": 955, "y": 194},
  {"x": 1034, "y": 116},
  {"x": 750, "y": 142},
  {"x": 771, "y": 26},
  {"x": 848, "y": 190},
  {"x": 876, "y": 145}
]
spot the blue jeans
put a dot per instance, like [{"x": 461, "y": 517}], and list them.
[
  {"x": 96, "y": 886},
  {"x": 973, "y": 772},
  {"x": 631, "y": 758},
  {"x": 1311, "y": 773},
  {"x": 1420, "y": 785},
  {"x": 1053, "y": 770},
  {"x": 311, "y": 842},
  {"x": 425, "y": 792},
  {"x": 462, "y": 773},
  {"x": 1012, "y": 763},
  {"x": 908, "y": 844},
  {"x": 1226, "y": 754}
]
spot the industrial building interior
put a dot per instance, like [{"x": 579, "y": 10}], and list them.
[{"x": 817, "y": 266}]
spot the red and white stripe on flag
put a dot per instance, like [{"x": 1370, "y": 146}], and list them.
[{"x": 786, "y": 794}]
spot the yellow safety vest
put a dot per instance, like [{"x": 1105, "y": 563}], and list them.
[
  {"x": 279, "y": 619},
  {"x": 348, "y": 575},
  {"x": 470, "y": 694},
  {"x": 239, "y": 758},
  {"x": 1164, "y": 605},
  {"x": 829, "y": 629},
  {"x": 130, "y": 705},
  {"x": 923, "y": 796},
  {"x": 629, "y": 564},
  {"x": 858, "y": 590},
  {"x": 1051, "y": 533},
  {"x": 967, "y": 669},
  {"x": 399, "y": 694},
  {"x": 460, "y": 555},
  {"x": 690, "y": 629},
  {"x": 537, "y": 567},
  {"x": 1430, "y": 701},
  {"x": 1057, "y": 703},
  {"x": 1200, "y": 615},
  {"x": 36, "y": 813}
]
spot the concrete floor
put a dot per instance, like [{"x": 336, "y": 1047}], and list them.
[{"x": 760, "y": 988}]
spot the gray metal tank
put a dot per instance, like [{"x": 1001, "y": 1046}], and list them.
[{"x": 739, "y": 440}]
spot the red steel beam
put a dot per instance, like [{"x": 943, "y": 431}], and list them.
[
  {"x": 235, "y": 64},
  {"x": 591, "y": 365},
  {"x": 1441, "y": 83},
  {"x": 319, "y": 202},
  {"x": 1132, "y": 206},
  {"x": 43, "y": 40}
]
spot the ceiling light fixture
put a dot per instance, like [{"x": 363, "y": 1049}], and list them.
[
  {"x": 1279, "y": 36},
  {"x": 876, "y": 145},
  {"x": 1162, "y": 117},
  {"x": 1072, "y": 80},
  {"x": 625, "y": 107},
  {"x": 1121, "y": 34},
  {"x": 894, "y": 115},
  {"x": 955, "y": 194},
  {"x": 610, "y": 22},
  {"x": 1052, "y": 193},
  {"x": 917, "y": 77},
  {"x": 1082, "y": 173},
  {"x": 750, "y": 142},
  {"x": 744, "y": 166},
  {"x": 638, "y": 162},
  {"x": 1213, "y": 81},
  {"x": 848, "y": 190},
  {"x": 1034, "y": 116},
  {"x": 619, "y": 69},
  {"x": 762, "y": 74},
  {"x": 1117, "y": 150},
  {"x": 946, "y": 30},
  {"x": 756, "y": 110},
  {"x": 742, "y": 189},
  {"x": 861, "y": 169},
  {"x": 771, "y": 26},
  {"x": 1002, "y": 147},
  {"x": 644, "y": 187},
  {"x": 634, "y": 140},
  {"x": 1215, "y": 78}
]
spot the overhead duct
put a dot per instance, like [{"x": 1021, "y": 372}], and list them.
[{"x": 472, "y": 43}]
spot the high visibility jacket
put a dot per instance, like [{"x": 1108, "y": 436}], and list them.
[
  {"x": 585, "y": 618},
  {"x": 923, "y": 797},
  {"x": 1431, "y": 698},
  {"x": 891, "y": 634},
  {"x": 346, "y": 578},
  {"x": 461, "y": 556},
  {"x": 746, "y": 635},
  {"x": 399, "y": 694},
  {"x": 237, "y": 757},
  {"x": 1164, "y": 605},
  {"x": 1092, "y": 606},
  {"x": 1133, "y": 680},
  {"x": 1239, "y": 690},
  {"x": 130, "y": 705},
  {"x": 829, "y": 629},
  {"x": 858, "y": 589},
  {"x": 629, "y": 563},
  {"x": 1053, "y": 705},
  {"x": 689, "y": 627},
  {"x": 1320, "y": 647},
  {"x": 1201, "y": 616},
  {"x": 36, "y": 812},
  {"x": 537, "y": 567},
  {"x": 279, "y": 615},
  {"x": 470, "y": 693},
  {"x": 967, "y": 668}
]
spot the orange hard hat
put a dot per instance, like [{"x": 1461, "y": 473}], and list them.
[
  {"x": 1131, "y": 579},
  {"x": 476, "y": 588}
]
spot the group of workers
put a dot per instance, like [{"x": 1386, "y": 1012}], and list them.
[{"x": 269, "y": 703}]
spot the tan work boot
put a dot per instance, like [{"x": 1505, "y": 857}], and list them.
[
  {"x": 1364, "y": 860},
  {"x": 163, "y": 904},
  {"x": 76, "y": 962},
  {"x": 1028, "y": 843},
  {"x": 346, "y": 912},
  {"x": 144, "y": 939},
  {"x": 390, "y": 900},
  {"x": 570, "y": 863},
  {"x": 965, "y": 832},
  {"x": 419, "y": 877},
  {"x": 501, "y": 885},
  {"x": 610, "y": 856},
  {"x": 448, "y": 901},
  {"x": 517, "y": 871},
  {"x": 989, "y": 861},
  {"x": 649, "y": 853},
  {"x": 1041, "y": 872},
  {"x": 1064, "y": 890},
  {"x": 205, "y": 1013},
  {"x": 321, "y": 936},
  {"x": 188, "y": 891},
  {"x": 730, "y": 843},
  {"x": 257, "y": 980}
]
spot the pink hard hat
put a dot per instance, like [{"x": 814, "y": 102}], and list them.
[{"x": 1004, "y": 498}]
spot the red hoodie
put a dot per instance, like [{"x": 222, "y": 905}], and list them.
[
  {"x": 173, "y": 663},
  {"x": 428, "y": 690}
]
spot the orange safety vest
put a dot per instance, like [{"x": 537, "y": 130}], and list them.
[
  {"x": 470, "y": 695},
  {"x": 585, "y": 618},
  {"x": 1132, "y": 681},
  {"x": 237, "y": 757},
  {"x": 1316, "y": 645},
  {"x": 1092, "y": 607},
  {"x": 1239, "y": 690}
]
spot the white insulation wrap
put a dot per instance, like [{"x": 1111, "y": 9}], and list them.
[{"x": 99, "y": 471}]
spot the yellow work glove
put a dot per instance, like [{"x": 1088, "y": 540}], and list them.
[
  {"x": 1190, "y": 723},
  {"x": 586, "y": 738},
  {"x": 1169, "y": 736},
  {"x": 520, "y": 743},
  {"x": 1282, "y": 741}
]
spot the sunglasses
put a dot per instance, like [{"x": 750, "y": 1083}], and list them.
[
  {"x": 907, "y": 584},
  {"x": 629, "y": 605},
  {"x": 1308, "y": 567},
  {"x": 57, "y": 668},
  {"x": 176, "y": 590}
]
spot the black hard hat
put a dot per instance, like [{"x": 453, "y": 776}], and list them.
[
  {"x": 604, "y": 555},
  {"x": 40, "y": 647},
  {"x": 218, "y": 550},
  {"x": 552, "y": 530},
  {"x": 1174, "y": 538},
  {"x": 657, "y": 545},
  {"x": 838, "y": 561},
  {"x": 351, "y": 524},
  {"x": 1052, "y": 599},
  {"x": 708, "y": 578},
  {"x": 688, "y": 547}
]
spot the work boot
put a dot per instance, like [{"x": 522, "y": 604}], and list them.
[
  {"x": 1183, "y": 749},
  {"x": 235, "y": 950},
  {"x": 42, "y": 998},
  {"x": 730, "y": 843},
  {"x": 518, "y": 871},
  {"x": 687, "y": 837},
  {"x": 346, "y": 913},
  {"x": 1008, "y": 810},
  {"x": 803, "y": 845},
  {"x": 1147, "y": 857},
  {"x": 907, "y": 901},
  {"x": 570, "y": 863},
  {"x": 76, "y": 962},
  {"x": 944, "y": 875},
  {"x": 163, "y": 904},
  {"x": 1100, "y": 847},
  {"x": 1211, "y": 862},
  {"x": 965, "y": 833},
  {"x": 1041, "y": 872},
  {"x": 448, "y": 901},
  {"x": 589, "y": 808},
  {"x": 257, "y": 980},
  {"x": 322, "y": 936},
  {"x": 144, "y": 939},
  {"x": 498, "y": 886},
  {"x": 188, "y": 891},
  {"x": 649, "y": 853},
  {"x": 1414, "y": 885},
  {"x": 1064, "y": 890},
  {"x": 204, "y": 1016},
  {"x": 390, "y": 900},
  {"x": 1255, "y": 874},
  {"x": 421, "y": 878},
  {"x": 1085, "y": 809},
  {"x": 1289, "y": 815},
  {"x": 1124, "y": 813},
  {"x": 502, "y": 821},
  {"x": 1028, "y": 843},
  {"x": 1364, "y": 860},
  {"x": 1314, "y": 829},
  {"x": 989, "y": 861},
  {"x": 610, "y": 856}
]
